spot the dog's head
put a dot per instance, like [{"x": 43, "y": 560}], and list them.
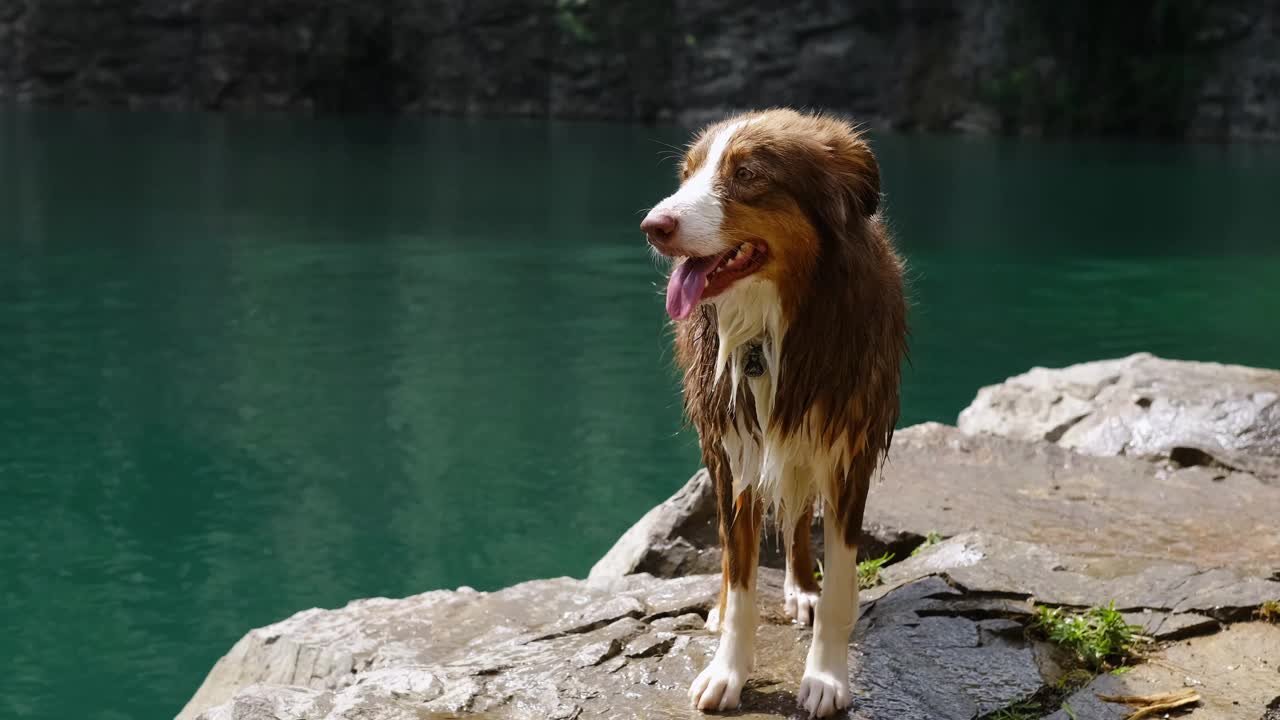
[{"x": 760, "y": 194}]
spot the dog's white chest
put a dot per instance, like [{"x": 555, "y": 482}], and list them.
[{"x": 786, "y": 471}]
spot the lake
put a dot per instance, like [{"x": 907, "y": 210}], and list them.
[{"x": 251, "y": 366}]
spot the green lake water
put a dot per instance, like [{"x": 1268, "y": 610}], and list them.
[{"x": 251, "y": 366}]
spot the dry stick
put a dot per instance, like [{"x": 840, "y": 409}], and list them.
[{"x": 1153, "y": 704}]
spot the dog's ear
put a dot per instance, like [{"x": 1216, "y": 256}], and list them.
[{"x": 852, "y": 179}]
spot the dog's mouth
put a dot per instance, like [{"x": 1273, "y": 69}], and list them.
[{"x": 695, "y": 279}]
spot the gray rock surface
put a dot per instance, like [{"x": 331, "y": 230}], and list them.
[
  {"x": 983, "y": 67},
  {"x": 568, "y": 648},
  {"x": 990, "y": 565},
  {"x": 1125, "y": 512},
  {"x": 943, "y": 638},
  {"x": 1236, "y": 672},
  {"x": 1191, "y": 413}
]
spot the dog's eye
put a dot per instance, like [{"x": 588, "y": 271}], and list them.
[{"x": 744, "y": 174}]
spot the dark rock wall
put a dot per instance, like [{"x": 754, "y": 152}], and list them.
[{"x": 1194, "y": 68}]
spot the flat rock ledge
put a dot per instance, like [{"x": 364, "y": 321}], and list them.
[{"x": 1187, "y": 545}]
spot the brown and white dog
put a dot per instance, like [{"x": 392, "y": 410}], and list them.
[{"x": 787, "y": 299}]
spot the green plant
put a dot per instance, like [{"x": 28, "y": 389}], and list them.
[
  {"x": 1099, "y": 637},
  {"x": 1269, "y": 612},
  {"x": 569, "y": 16},
  {"x": 933, "y": 538},
  {"x": 869, "y": 570},
  {"x": 1073, "y": 681},
  {"x": 1066, "y": 708}
]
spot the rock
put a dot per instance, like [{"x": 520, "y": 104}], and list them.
[
  {"x": 688, "y": 621},
  {"x": 990, "y": 565},
  {"x": 678, "y": 537},
  {"x": 1225, "y": 417},
  {"x": 1125, "y": 512},
  {"x": 928, "y": 646},
  {"x": 526, "y": 652},
  {"x": 1171, "y": 626},
  {"x": 1234, "y": 671}
]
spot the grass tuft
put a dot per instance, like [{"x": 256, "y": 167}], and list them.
[
  {"x": 1269, "y": 612},
  {"x": 1073, "y": 681},
  {"x": 869, "y": 571},
  {"x": 1099, "y": 637},
  {"x": 933, "y": 538}
]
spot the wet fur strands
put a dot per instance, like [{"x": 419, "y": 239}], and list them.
[{"x": 790, "y": 327}]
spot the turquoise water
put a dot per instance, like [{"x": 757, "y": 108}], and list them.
[{"x": 250, "y": 366}]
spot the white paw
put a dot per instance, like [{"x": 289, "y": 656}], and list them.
[
  {"x": 719, "y": 687},
  {"x": 800, "y": 605},
  {"x": 713, "y": 619},
  {"x": 823, "y": 692}
]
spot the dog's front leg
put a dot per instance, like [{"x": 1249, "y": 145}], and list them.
[
  {"x": 825, "y": 686},
  {"x": 719, "y": 687}
]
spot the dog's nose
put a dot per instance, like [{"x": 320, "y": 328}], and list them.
[{"x": 659, "y": 227}]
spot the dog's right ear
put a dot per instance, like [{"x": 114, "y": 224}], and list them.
[{"x": 852, "y": 179}]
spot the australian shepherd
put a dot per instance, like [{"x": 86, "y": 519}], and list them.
[{"x": 787, "y": 299}]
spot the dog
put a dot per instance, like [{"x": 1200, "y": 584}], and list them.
[{"x": 789, "y": 314}]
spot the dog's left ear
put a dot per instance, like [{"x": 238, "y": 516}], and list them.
[{"x": 853, "y": 179}]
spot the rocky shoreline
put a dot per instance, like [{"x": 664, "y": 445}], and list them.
[
  {"x": 1150, "y": 483},
  {"x": 1199, "y": 71}
]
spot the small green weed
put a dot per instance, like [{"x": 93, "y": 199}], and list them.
[
  {"x": 933, "y": 538},
  {"x": 1269, "y": 612},
  {"x": 568, "y": 14},
  {"x": 869, "y": 571},
  {"x": 1073, "y": 681},
  {"x": 1066, "y": 708},
  {"x": 1099, "y": 637}
]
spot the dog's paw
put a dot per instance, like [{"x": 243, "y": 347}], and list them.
[
  {"x": 713, "y": 619},
  {"x": 719, "y": 687},
  {"x": 800, "y": 605},
  {"x": 824, "y": 691}
]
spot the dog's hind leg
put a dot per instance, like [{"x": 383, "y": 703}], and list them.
[
  {"x": 800, "y": 588},
  {"x": 719, "y": 686},
  {"x": 825, "y": 686}
]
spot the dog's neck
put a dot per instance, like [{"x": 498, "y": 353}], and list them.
[
  {"x": 750, "y": 316},
  {"x": 747, "y": 315}
]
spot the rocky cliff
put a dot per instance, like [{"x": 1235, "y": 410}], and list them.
[
  {"x": 1184, "y": 543},
  {"x": 1198, "y": 69}
]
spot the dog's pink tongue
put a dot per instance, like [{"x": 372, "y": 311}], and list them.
[{"x": 685, "y": 287}]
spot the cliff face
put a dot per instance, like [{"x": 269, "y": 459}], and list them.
[{"x": 1193, "y": 69}]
